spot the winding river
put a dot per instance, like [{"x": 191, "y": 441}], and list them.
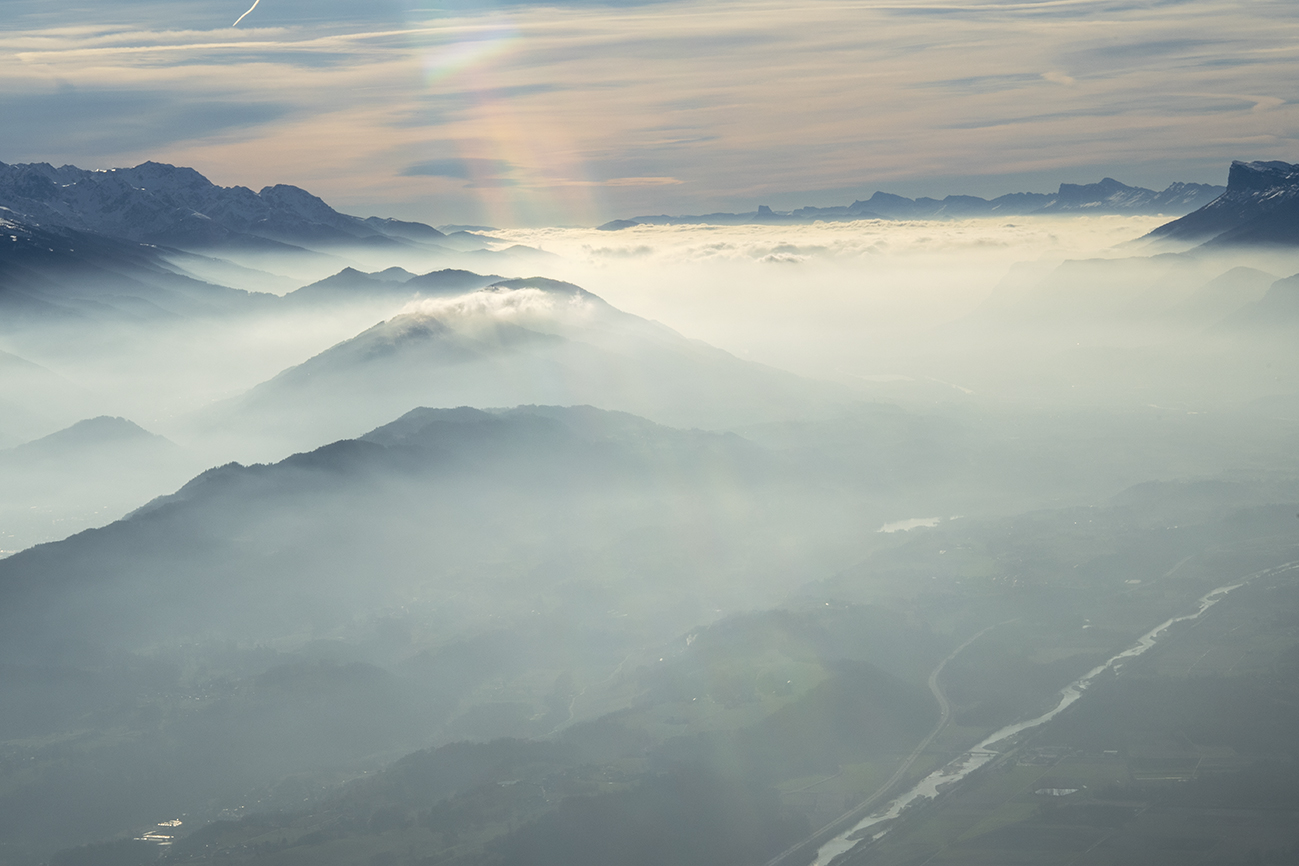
[{"x": 942, "y": 778}]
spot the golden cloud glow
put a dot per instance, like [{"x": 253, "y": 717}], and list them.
[{"x": 596, "y": 112}]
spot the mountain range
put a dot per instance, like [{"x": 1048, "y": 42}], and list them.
[
  {"x": 714, "y": 641},
  {"x": 81, "y": 476},
  {"x": 155, "y": 222},
  {"x": 442, "y": 554},
  {"x": 1108, "y": 196},
  {"x": 175, "y": 206},
  {"x": 158, "y": 240},
  {"x": 464, "y": 475},
  {"x": 178, "y": 207},
  {"x": 233, "y": 650},
  {"x": 34, "y": 400}
]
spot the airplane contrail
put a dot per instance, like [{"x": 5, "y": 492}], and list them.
[{"x": 245, "y": 15}]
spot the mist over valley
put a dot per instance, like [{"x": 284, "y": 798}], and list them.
[{"x": 339, "y": 539}]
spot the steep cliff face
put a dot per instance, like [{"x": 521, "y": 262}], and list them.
[{"x": 1260, "y": 207}]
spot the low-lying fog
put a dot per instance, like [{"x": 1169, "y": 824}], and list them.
[
  {"x": 995, "y": 320},
  {"x": 696, "y": 530},
  {"x": 852, "y": 302},
  {"x": 831, "y": 300}
]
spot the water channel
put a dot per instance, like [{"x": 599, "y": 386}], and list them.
[{"x": 942, "y": 778}]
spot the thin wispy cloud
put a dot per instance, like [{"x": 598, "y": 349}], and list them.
[{"x": 604, "y": 111}]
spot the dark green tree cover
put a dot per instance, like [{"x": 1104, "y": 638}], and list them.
[
  {"x": 122, "y": 852},
  {"x": 1252, "y": 714},
  {"x": 600, "y": 792},
  {"x": 687, "y": 817},
  {"x": 858, "y": 713}
]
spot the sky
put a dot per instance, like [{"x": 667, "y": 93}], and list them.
[{"x": 524, "y": 114}]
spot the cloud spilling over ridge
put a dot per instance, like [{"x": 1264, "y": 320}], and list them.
[{"x": 531, "y": 308}]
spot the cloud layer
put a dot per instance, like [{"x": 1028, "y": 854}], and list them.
[
  {"x": 826, "y": 300},
  {"x": 527, "y": 307},
  {"x": 529, "y": 115}
]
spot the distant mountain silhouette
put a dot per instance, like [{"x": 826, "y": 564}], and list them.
[
  {"x": 1225, "y": 294},
  {"x": 1123, "y": 298},
  {"x": 105, "y": 430},
  {"x": 1276, "y": 314},
  {"x": 34, "y": 399},
  {"x": 369, "y": 520},
  {"x": 350, "y": 284},
  {"x": 84, "y": 475},
  {"x": 1109, "y": 196}
]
